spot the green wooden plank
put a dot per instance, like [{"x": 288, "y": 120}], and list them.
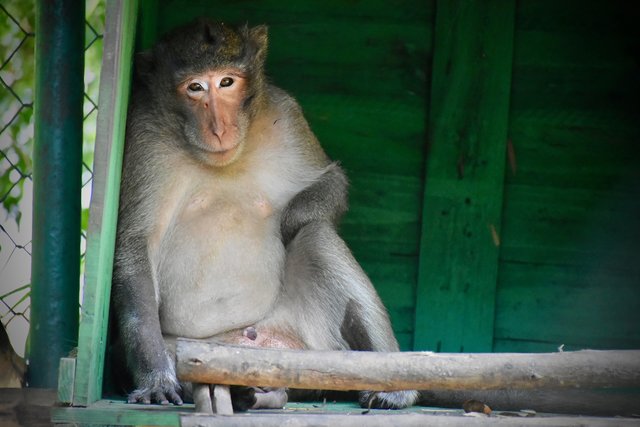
[
  {"x": 114, "y": 96},
  {"x": 369, "y": 135},
  {"x": 514, "y": 345},
  {"x": 66, "y": 379},
  {"x": 115, "y": 413},
  {"x": 569, "y": 270},
  {"x": 382, "y": 230},
  {"x": 277, "y": 12},
  {"x": 147, "y": 28},
  {"x": 589, "y": 306},
  {"x": 465, "y": 172},
  {"x": 568, "y": 226}
]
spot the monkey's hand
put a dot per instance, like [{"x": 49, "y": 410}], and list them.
[
  {"x": 157, "y": 387},
  {"x": 388, "y": 399}
]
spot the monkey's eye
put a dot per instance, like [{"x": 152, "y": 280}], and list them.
[
  {"x": 226, "y": 82},
  {"x": 195, "y": 87}
]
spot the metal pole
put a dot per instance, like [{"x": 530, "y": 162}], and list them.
[{"x": 57, "y": 163}]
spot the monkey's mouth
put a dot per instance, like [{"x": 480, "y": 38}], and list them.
[
  {"x": 221, "y": 156},
  {"x": 215, "y": 145},
  {"x": 220, "y": 151}
]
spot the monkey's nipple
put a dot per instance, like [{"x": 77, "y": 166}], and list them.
[{"x": 250, "y": 332}]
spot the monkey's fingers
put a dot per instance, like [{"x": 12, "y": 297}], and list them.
[
  {"x": 164, "y": 397},
  {"x": 140, "y": 396},
  {"x": 174, "y": 397},
  {"x": 159, "y": 397},
  {"x": 147, "y": 396}
]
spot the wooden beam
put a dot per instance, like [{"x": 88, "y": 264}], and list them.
[
  {"x": 393, "y": 419},
  {"x": 112, "y": 110},
  {"x": 464, "y": 178},
  {"x": 202, "y": 398},
  {"x": 207, "y": 362},
  {"x": 222, "y": 400}
]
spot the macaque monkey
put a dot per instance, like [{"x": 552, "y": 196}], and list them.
[{"x": 227, "y": 217}]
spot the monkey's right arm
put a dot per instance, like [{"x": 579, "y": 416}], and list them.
[{"x": 133, "y": 295}]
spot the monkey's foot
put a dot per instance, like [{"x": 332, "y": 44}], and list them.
[
  {"x": 157, "y": 387},
  {"x": 388, "y": 399},
  {"x": 270, "y": 398},
  {"x": 244, "y": 398},
  {"x": 155, "y": 395}
]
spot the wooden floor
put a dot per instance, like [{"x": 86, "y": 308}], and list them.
[
  {"x": 26, "y": 407},
  {"x": 34, "y": 407}
]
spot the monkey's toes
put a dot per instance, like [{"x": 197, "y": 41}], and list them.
[
  {"x": 148, "y": 396},
  {"x": 388, "y": 399}
]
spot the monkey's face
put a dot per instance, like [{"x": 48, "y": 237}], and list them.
[
  {"x": 217, "y": 121},
  {"x": 206, "y": 79}
]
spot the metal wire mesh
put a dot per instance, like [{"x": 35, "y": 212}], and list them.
[{"x": 17, "y": 80}]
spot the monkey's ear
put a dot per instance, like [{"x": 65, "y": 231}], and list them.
[{"x": 259, "y": 36}]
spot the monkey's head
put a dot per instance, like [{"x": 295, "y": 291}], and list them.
[{"x": 207, "y": 78}]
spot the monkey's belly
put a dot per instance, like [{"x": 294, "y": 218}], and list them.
[
  {"x": 263, "y": 337},
  {"x": 213, "y": 283}
]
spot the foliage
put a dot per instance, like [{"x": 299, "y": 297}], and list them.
[{"x": 16, "y": 102}]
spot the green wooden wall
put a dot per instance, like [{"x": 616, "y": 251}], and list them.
[
  {"x": 569, "y": 268},
  {"x": 492, "y": 148}
]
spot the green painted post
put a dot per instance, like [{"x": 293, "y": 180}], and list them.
[
  {"x": 57, "y": 162},
  {"x": 115, "y": 81}
]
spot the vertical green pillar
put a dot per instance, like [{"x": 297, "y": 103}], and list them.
[
  {"x": 57, "y": 163},
  {"x": 462, "y": 213}
]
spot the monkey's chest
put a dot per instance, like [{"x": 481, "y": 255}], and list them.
[{"x": 219, "y": 266}]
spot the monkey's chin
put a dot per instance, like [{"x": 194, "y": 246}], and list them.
[{"x": 225, "y": 157}]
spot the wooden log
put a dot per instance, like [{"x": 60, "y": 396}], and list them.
[
  {"x": 207, "y": 362},
  {"x": 202, "y": 399},
  {"x": 222, "y": 400}
]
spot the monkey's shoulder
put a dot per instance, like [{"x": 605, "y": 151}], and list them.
[
  {"x": 290, "y": 119},
  {"x": 279, "y": 97}
]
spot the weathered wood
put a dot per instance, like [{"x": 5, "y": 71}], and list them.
[
  {"x": 222, "y": 400},
  {"x": 418, "y": 420},
  {"x": 114, "y": 95},
  {"x": 118, "y": 413},
  {"x": 569, "y": 270},
  {"x": 206, "y": 362},
  {"x": 66, "y": 378},
  {"x": 473, "y": 48},
  {"x": 26, "y": 407},
  {"x": 202, "y": 398}
]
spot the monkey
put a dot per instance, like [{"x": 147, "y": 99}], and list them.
[{"x": 228, "y": 216}]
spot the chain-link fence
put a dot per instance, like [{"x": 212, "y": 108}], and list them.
[{"x": 17, "y": 80}]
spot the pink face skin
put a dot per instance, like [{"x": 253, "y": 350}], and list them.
[{"x": 216, "y": 98}]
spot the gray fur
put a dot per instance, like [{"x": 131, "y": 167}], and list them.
[
  {"x": 204, "y": 248},
  {"x": 324, "y": 199}
]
